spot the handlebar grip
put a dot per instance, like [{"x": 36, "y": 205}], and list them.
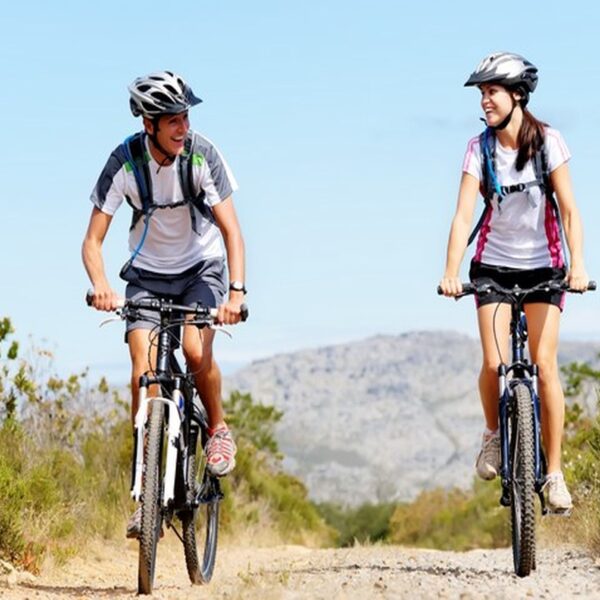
[
  {"x": 244, "y": 312},
  {"x": 467, "y": 288},
  {"x": 592, "y": 286},
  {"x": 89, "y": 298}
]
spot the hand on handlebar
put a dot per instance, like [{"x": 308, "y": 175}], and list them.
[
  {"x": 451, "y": 286},
  {"x": 104, "y": 298},
  {"x": 231, "y": 312},
  {"x": 578, "y": 280}
]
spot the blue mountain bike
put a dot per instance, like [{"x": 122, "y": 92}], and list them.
[{"x": 523, "y": 467}]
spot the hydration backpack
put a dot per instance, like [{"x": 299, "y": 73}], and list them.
[
  {"x": 491, "y": 188},
  {"x": 134, "y": 149}
]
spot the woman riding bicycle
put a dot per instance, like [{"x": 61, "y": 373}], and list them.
[{"x": 519, "y": 242}]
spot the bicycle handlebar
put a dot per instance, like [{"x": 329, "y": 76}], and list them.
[
  {"x": 485, "y": 286},
  {"x": 159, "y": 305}
]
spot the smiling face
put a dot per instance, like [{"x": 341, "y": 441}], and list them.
[
  {"x": 496, "y": 102},
  {"x": 171, "y": 131}
]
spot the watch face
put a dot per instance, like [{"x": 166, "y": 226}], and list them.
[{"x": 238, "y": 286}]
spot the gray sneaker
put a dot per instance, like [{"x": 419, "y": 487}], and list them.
[
  {"x": 134, "y": 525},
  {"x": 488, "y": 460},
  {"x": 559, "y": 499}
]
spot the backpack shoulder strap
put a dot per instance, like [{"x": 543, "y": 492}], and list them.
[
  {"x": 487, "y": 144},
  {"x": 542, "y": 170},
  {"x": 135, "y": 152},
  {"x": 486, "y": 151},
  {"x": 185, "y": 168},
  {"x": 194, "y": 197},
  {"x": 542, "y": 173}
]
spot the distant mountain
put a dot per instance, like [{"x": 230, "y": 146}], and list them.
[{"x": 379, "y": 419}]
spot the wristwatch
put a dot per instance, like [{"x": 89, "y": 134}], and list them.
[{"x": 237, "y": 286}]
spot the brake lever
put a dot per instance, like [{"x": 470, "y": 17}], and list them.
[
  {"x": 222, "y": 329},
  {"x": 120, "y": 315},
  {"x": 109, "y": 320}
]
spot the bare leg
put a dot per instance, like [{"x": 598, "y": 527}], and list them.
[
  {"x": 197, "y": 347},
  {"x": 488, "y": 377},
  {"x": 139, "y": 345},
  {"x": 543, "y": 322}
]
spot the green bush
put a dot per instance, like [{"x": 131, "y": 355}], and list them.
[
  {"x": 581, "y": 458},
  {"x": 258, "y": 480},
  {"x": 453, "y": 519},
  {"x": 364, "y": 524}
]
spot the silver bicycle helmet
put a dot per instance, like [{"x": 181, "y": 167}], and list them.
[
  {"x": 160, "y": 93},
  {"x": 508, "y": 69}
]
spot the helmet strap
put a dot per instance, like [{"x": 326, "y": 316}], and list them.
[
  {"x": 154, "y": 139},
  {"x": 506, "y": 121}
]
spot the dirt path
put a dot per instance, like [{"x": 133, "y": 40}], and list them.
[{"x": 293, "y": 572}]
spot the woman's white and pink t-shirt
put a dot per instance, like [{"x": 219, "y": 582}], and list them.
[{"x": 523, "y": 231}]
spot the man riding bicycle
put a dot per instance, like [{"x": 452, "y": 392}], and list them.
[{"x": 183, "y": 229}]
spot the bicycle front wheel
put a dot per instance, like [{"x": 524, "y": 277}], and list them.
[
  {"x": 523, "y": 481},
  {"x": 151, "y": 499},
  {"x": 203, "y": 521}
]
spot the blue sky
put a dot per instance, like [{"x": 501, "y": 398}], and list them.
[{"x": 345, "y": 124}]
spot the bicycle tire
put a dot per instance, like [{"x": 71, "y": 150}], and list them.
[
  {"x": 201, "y": 572},
  {"x": 151, "y": 498},
  {"x": 523, "y": 481}
]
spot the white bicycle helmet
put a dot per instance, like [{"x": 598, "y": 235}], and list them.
[
  {"x": 508, "y": 69},
  {"x": 160, "y": 93}
]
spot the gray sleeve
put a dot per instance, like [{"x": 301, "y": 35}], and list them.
[
  {"x": 215, "y": 176},
  {"x": 109, "y": 191}
]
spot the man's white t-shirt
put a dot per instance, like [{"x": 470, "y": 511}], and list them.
[
  {"x": 523, "y": 231},
  {"x": 171, "y": 245}
]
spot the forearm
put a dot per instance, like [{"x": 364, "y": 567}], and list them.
[
  {"x": 461, "y": 224},
  {"x": 91, "y": 253},
  {"x": 234, "y": 246},
  {"x": 457, "y": 244},
  {"x": 574, "y": 235}
]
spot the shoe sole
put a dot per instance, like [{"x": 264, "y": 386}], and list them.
[
  {"x": 486, "y": 476},
  {"x": 217, "y": 473},
  {"x": 135, "y": 535},
  {"x": 559, "y": 512}
]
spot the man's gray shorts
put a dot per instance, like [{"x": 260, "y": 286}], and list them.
[{"x": 203, "y": 283}]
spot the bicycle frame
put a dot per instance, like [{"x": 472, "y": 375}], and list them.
[{"x": 523, "y": 372}]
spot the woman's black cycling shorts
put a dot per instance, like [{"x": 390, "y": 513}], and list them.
[{"x": 524, "y": 278}]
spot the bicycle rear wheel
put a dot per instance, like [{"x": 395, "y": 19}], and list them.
[
  {"x": 202, "y": 521},
  {"x": 523, "y": 481},
  {"x": 151, "y": 499}
]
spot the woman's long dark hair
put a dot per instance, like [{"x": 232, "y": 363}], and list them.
[{"x": 530, "y": 138}]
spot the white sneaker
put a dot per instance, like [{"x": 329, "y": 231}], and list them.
[
  {"x": 488, "y": 460},
  {"x": 220, "y": 452},
  {"x": 559, "y": 498}
]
